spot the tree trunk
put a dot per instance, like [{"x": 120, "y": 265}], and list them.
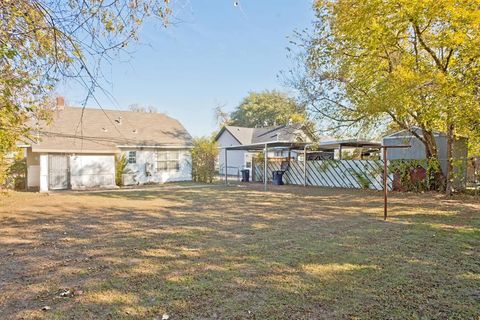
[
  {"x": 428, "y": 140},
  {"x": 450, "y": 139},
  {"x": 430, "y": 144},
  {"x": 431, "y": 152}
]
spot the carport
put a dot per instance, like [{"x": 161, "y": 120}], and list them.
[
  {"x": 349, "y": 143},
  {"x": 304, "y": 146},
  {"x": 265, "y": 147}
]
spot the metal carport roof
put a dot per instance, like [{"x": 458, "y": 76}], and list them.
[
  {"x": 273, "y": 144},
  {"x": 264, "y": 146}
]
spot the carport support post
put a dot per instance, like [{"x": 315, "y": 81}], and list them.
[
  {"x": 476, "y": 161},
  {"x": 265, "y": 168},
  {"x": 226, "y": 168},
  {"x": 305, "y": 166},
  {"x": 385, "y": 177},
  {"x": 385, "y": 186}
]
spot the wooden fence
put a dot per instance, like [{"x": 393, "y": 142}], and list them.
[{"x": 359, "y": 174}]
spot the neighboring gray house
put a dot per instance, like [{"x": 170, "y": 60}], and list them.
[
  {"x": 77, "y": 149},
  {"x": 417, "y": 149},
  {"x": 240, "y": 159}
]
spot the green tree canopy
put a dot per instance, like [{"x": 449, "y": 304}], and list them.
[
  {"x": 411, "y": 62},
  {"x": 204, "y": 154},
  {"x": 416, "y": 63},
  {"x": 267, "y": 108},
  {"x": 45, "y": 41}
]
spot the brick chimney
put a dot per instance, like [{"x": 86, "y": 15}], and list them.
[{"x": 60, "y": 103}]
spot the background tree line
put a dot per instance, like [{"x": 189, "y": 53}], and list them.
[{"x": 265, "y": 109}]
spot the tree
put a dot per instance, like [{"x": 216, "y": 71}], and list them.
[
  {"x": 268, "y": 108},
  {"x": 45, "y": 41},
  {"x": 222, "y": 117},
  {"x": 138, "y": 108},
  {"x": 13, "y": 171},
  {"x": 204, "y": 155},
  {"x": 415, "y": 63}
]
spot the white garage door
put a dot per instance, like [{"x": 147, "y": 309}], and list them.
[{"x": 92, "y": 171}]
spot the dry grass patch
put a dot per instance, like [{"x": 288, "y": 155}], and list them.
[{"x": 238, "y": 253}]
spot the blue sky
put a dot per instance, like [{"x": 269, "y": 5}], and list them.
[{"x": 214, "y": 53}]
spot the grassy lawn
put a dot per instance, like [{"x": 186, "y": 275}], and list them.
[{"x": 238, "y": 253}]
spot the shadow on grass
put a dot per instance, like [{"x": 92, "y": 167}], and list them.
[{"x": 239, "y": 253}]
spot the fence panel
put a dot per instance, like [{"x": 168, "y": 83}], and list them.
[
  {"x": 273, "y": 165},
  {"x": 257, "y": 173},
  {"x": 359, "y": 174}
]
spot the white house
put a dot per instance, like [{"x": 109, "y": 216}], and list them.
[
  {"x": 241, "y": 159},
  {"x": 77, "y": 149}
]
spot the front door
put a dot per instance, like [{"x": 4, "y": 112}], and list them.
[{"x": 58, "y": 172}]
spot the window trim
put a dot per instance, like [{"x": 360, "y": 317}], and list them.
[
  {"x": 167, "y": 161},
  {"x": 130, "y": 157}
]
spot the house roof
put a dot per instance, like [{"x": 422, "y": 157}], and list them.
[
  {"x": 349, "y": 143},
  {"x": 417, "y": 130},
  {"x": 104, "y": 131},
  {"x": 242, "y": 134},
  {"x": 246, "y": 136},
  {"x": 407, "y": 134}
]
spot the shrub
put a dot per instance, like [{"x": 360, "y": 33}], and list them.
[
  {"x": 204, "y": 154},
  {"x": 120, "y": 168},
  {"x": 13, "y": 170},
  {"x": 4, "y": 165},
  {"x": 410, "y": 171}
]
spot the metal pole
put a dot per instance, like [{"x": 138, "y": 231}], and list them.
[
  {"x": 26, "y": 168},
  {"x": 385, "y": 187},
  {"x": 305, "y": 166},
  {"x": 265, "y": 175},
  {"x": 475, "y": 174},
  {"x": 226, "y": 168}
]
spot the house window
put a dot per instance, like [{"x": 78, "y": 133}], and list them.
[
  {"x": 132, "y": 157},
  {"x": 168, "y": 161}
]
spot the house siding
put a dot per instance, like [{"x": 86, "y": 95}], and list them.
[
  {"x": 86, "y": 171},
  {"x": 44, "y": 172},
  {"x": 236, "y": 158},
  {"x": 136, "y": 173},
  {"x": 92, "y": 171},
  {"x": 33, "y": 169}
]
